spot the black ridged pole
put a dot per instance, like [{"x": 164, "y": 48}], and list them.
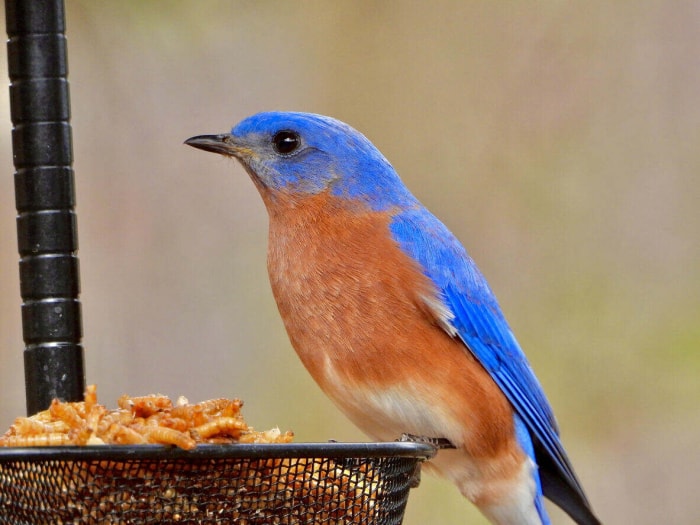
[{"x": 45, "y": 198}]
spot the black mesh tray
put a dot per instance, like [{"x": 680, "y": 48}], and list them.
[{"x": 295, "y": 483}]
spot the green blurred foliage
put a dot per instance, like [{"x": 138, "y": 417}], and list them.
[{"x": 558, "y": 140}]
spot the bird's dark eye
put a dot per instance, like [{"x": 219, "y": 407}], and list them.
[{"x": 286, "y": 142}]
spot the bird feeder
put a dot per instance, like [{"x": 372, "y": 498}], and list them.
[{"x": 365, "y": 483}]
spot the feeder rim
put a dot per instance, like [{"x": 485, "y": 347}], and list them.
[{"x": 423, "y": 451}]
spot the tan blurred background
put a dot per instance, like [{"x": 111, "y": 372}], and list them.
[{"x": 559, "y": 141}]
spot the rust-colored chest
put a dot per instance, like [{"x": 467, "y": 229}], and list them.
[{"x": 342, "y": 285}]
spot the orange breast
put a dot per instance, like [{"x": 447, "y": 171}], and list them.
[{"x": 353, "y": 305}]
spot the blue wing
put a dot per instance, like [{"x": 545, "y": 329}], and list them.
[{"x": 480, "y": 324}]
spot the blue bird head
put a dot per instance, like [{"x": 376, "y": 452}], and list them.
[{"x": 306, "y": 154}]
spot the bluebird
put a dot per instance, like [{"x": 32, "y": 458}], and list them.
[{"x": 393, "y": 319}]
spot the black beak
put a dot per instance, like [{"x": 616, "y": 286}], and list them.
[{"x": 214, "y": 143}]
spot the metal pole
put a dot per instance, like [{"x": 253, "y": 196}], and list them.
[{"x": 45, "y": 198}]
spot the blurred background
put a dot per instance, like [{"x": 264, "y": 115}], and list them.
[{"x": 559, "y": 141}]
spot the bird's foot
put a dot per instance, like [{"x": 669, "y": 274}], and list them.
[{"x": 437, "y": 442}]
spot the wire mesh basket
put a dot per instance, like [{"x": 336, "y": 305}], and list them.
[{"x": 326, "y": 483}]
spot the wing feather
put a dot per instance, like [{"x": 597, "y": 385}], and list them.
[{"x": 479, "y": 322}]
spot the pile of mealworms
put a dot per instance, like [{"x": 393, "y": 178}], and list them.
[
  {"x": 143, "y": 419},
  {"x": 251, "y": 491}
]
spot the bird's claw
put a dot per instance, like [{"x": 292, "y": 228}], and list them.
[{"x": 437, "y": 442}]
